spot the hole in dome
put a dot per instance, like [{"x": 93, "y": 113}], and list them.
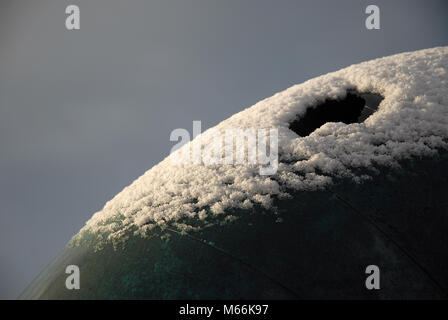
[{"x": 354, "y": 108}]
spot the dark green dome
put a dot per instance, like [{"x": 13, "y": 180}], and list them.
[
  {"x": 316, "y": 245},
  {"x": 354, "y": 184}
]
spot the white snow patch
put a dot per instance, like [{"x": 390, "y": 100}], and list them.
[{"x": 412, "y": 120}]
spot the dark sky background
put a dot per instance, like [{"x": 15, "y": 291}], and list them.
[{"x": 84, "y": 113}]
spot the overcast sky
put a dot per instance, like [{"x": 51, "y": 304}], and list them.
[{"x": 83, "y": 113}]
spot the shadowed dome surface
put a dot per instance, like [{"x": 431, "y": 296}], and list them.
[{"x": 346, "y": 195}]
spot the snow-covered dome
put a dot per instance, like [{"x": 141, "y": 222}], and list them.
[{"x": 411, "y": 121}]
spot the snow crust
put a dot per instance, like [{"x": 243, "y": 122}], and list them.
[{"x": 411, "y": 121}]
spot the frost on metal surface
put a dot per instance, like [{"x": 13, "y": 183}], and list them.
[{"x": 411, "y": 121}]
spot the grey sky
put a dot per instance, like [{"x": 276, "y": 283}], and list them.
[{"x": 83, "y": 113}]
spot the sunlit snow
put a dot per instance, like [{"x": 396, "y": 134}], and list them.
[{"x": 411, "y": 121}]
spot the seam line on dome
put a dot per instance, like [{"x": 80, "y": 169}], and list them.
[
  {"x": 250, "y": 266},
  {"x": 395, "y": 243}
]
